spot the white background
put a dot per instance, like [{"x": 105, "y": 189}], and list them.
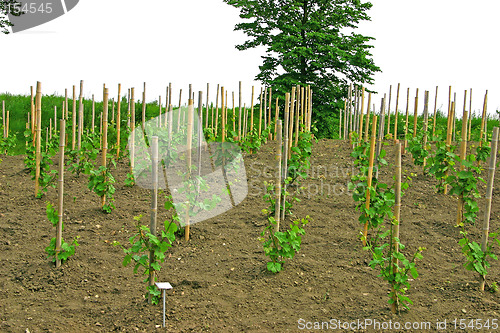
[{"x": 418, "y": 44}]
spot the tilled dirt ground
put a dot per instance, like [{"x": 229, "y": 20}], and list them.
[{"x": 219, "y": 279}]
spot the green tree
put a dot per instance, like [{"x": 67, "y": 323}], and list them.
[
  {"x": 8, "y": 7},
  {"x": 309, "y": 42}
]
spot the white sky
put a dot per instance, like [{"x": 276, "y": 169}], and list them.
[{"x": 418, "y": 43}]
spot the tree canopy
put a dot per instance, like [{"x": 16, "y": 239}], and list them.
[
  {"x": 309, "y": 42},
  {"x": 7, "y": 7}
]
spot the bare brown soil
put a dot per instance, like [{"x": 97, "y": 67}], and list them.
[{"x": 219, "y": 279}]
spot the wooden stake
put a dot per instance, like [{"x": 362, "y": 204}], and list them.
[
  {"x": 360, "y": 137},
  {"x": 276, "y": 117},
  {"x": 368, "y": 116},
  {"x": 291, "y": 118},
  {"x": 216, "y": 112},
  {"x": 251, "y": 112},
  {"x": 234, "y": 115},
  {"x": 396, "y": 117},
  {"x": 143, "y": 107},
  {"x": 206, "y": 106},
  {"x": 426, "y": 122},
  {"x": 279, "y": 147},
  {"x": 154, "y": 207},
  {"x": 370, "y": 175},
  {"x": 397, "y": 216},
  {"x": 223, "y": 115},
  {"x": 485, "y": 104},
  {"x": 118, "y": 121},
  {"x": 104, "y": 134},
  {"x": 407, "y": 113},
  {"x": 260, "y": 113},
  {"x": 132, "y": 129},
  {"x": 415, "y": 115},
  {"x": 470, "y": 115},
  {"x": 38, "y": 135},
  {"x": 80, "y": 116},
  {"x": 489, "y": 193},
  {"x": 435, "y": 114},
  {"x": 60, "y": 191},
  {"x": 284, "y": 173},
  {"x": 73, "y": 115},
  {"x": 93, "y": 113},
  {"x": 463, "y": 149},
  {"x": 188, "y": 156},
  {"x": 239, "y": 113},
  {"x": 389, "y": 111}
]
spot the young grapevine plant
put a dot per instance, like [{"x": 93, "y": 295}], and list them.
[
  {"x": 386, "y": 249},
  {"x": 144, "y": 243},
  {"x": 279, "y": 245},
  {"x": 101, "y": 182},
  {"x": 67, "y": 250}
]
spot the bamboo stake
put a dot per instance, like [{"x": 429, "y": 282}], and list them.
[
  {"x": 485, "y": 104},
  {"x": 154, "y": 207},
  {"x": 291, "y": 118},
  {"x": 104, "y": 134},
  {"x": 7, "y": 124},
  {"x": 234, "y": 115},
  {"x": 265, "y": 108},
  {"x": 223, "y": 115},
  {"x": 470, "y": 114},
  {"x": 302, "y": 94},
  {"x": 463, "y": 148},
  {"x": 144, "y": 107},
  {"x": 206, "y": 115},
  {"x": 66, "y": 104},
  {"x": 93, "y": 113},
  {"x": 38, "y": 135},
  {"x": 73, "y": 116},
  {"x": 49, "y": 132},
  {"x": 285, "y": 151},
  {"x": 3, "y": 119},
  {"x": 33, "y": 116},
  {"x": 368, "y": 116},
  {"x": 132, "y": 129},
  {"x": 349, "y": 117},
  {"x": 251, "y": 112},
  {"x": 279, "y": 147},
  {"x": 380, "y": 134},
  {"x": 489, "y": 193},
  {"x": 360, "y": 137},
  {"x": 454, "y": 117},
  {"x": 415, "y": 116},
  {"x": 426, "y": 121},
  {"x": 407, "y": 113},
  {"x": 118, "y": 120},
  {"x": 55, "y": 119},
  {"x": 216, "y": 112},
  {"x": 340, "y": 121},
  {"x": 448, "y": 134},
  {"x": 239, "y": 112},
  {"x": 80, "y": 116},
  {"x": 435, "y": 113},
  {"x": 276, "y": 117},
  {"x": 397, "y": 216},
  {"x": 389, "y": 111},
  {"x": 396, "y": 116},
  {"x": 298, "y": 102},
  {"x": 60, "y": 192},
  {"x": 309, "y": 111},
  {"x": 245, "y": 120},
  {"x": 188, "y": 156},
  {"x": 270, "y": 110},
  {"x": 370, "y": 175}
]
